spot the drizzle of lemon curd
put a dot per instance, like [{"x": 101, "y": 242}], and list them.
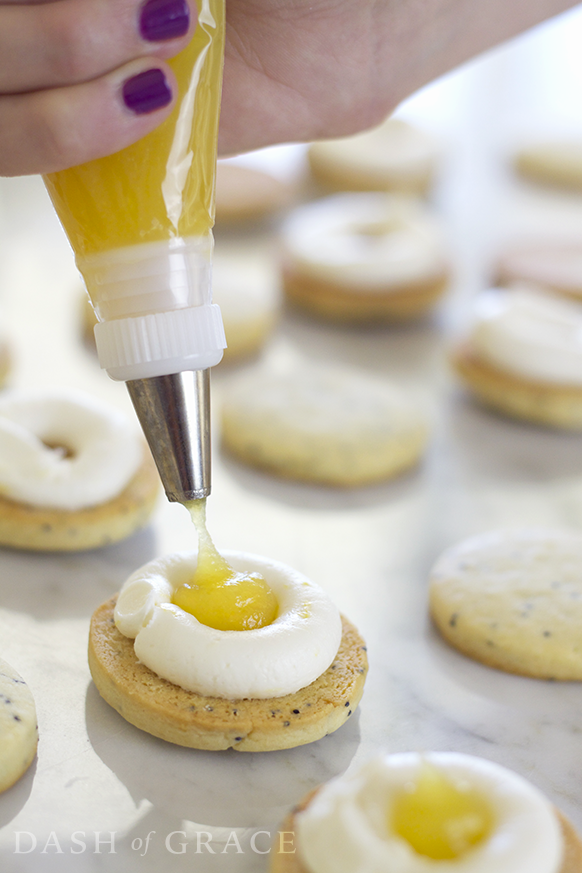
[
  {"x": 219, "y": 596},
  {"x": 440, "y": 818}
]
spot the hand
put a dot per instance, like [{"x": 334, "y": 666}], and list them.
[
  {"x": 94, "y": 80},
  {"x": 299, "y": 70}
]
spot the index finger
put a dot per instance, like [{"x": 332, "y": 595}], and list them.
[{"x": 57, "y": 43}]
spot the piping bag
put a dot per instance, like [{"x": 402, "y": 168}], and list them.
[{"x": 140, "y": 225}]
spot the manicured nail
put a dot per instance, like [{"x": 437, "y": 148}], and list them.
[
  {"x": 164, "y": 19},
  {"x": 146, "y": 92}
]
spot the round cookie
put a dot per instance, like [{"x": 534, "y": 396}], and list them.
[
  {"x": 523, "y": 357},
  {"x": 38, "y": 528},
  {"x": 530, "y": 400},
  {"x": 513, "y": 600},
  {"x": 18, "y": 726},
  {"x": 246, "y": 194},
  {"x": 247, "y": 291},
  {"x": 555, "y": 265},
  {"x": 364, "y": 257},
  {"x": 74, "y": 474},
  {"x": 557, "y": 163},
  {"x": 285, "y": 858},
  {"x": 321, "y": 424},
  {"x": 251, "y": 725},
  {"x": 395, "y": 156}
]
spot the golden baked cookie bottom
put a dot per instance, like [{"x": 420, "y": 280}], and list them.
[
  {"x": 37, "y": 528},
  {"x": 246, "y": 337},
  {"x": 557, "y": 165},
  {"x": 188, "y": 719},
  {"x": 248, "y": 340},
  {"x": 286, "y": 859},
  {"x": 357, "y": 304},
  {"x": 539, "y": 402},
  {"x": 5, "y": 364}
]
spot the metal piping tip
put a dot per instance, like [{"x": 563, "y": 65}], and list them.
[{"x": 174, "y": 412}]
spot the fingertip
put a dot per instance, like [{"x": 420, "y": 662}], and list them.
[
  {"x": 131, "y": 103},
  {"x": 164, "y": 20},
  {"x": 124, "y": 106},
  {"x": 147, "y": 91},
  {"x": 52, "y": 130}
]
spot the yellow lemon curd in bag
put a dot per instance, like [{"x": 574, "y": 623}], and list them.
[
  {"x": 162, "y": 188},
  {"x": 163, "y": 185}
]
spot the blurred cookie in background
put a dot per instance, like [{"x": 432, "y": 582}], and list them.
[
  {"x": 322, "y": 424},
  {"x": 556, "y": 163},
  {"x": 522, "y": 356},
  {"x": 245, "y": 194},
  {"x": 364, "y": 257},
  {"x": 552, "y": 264},
  {"x": 6, "y": 359},
  {"x": 246, "y": 288},
  {"x": 395, "y": 156},
  {"x": 75, "y": 473}
]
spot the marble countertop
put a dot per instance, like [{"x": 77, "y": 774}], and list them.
[{"x": 104, "y": 796}]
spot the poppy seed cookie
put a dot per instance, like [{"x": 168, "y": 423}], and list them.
[
  {"x": 251, "y": 725},
  {"x": 18, "y": 727},
  {"x": 513, "y": 600}
]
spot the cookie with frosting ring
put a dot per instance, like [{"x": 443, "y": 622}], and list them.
[
  {"x": 522, "y": 356},
  {"x": 364, "y": 257},
  {"x": 74, "y": 472},
  {"x": 265, "y": 709},
  {"x": 386, "y": 816}
]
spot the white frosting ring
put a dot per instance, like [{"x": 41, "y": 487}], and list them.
[
  {"x": 530, "y": 334},
  {"x": 271, "y": 661},
  {"x": 345, "y": 828},
  {"x": 372, "y": 240},
  {"x": 97, "y": 449}
]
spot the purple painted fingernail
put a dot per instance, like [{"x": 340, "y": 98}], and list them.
[
  {"x": 164, "y": 19},
  {"x": 146, "y": 92}
]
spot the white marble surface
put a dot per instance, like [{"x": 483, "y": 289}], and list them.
[{"x": 96, "y": 777}]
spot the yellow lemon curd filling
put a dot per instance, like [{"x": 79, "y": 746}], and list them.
[
  {"x": 217, "y": 595},
  {"x": 438, "y": 818}
]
